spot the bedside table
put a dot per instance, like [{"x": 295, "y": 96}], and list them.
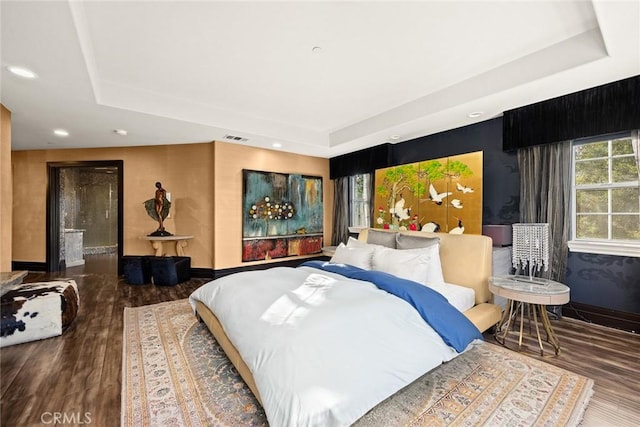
[{"x": 536, "y": 294}]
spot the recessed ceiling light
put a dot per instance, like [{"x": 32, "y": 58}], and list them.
[
  {"x": 394, "y": 137},
  {"x": 22, "y": 72},
  {"x": 475, "y": 114},
  {"x": 276, "y": 145},
  {"x": 121, "y": 132},
  {"x": 61, "y": 132},
  {"x": 316, "y": 49}
]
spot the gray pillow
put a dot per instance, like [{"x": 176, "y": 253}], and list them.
[
  {"x": 382, "y": 238},
  {"x": 404, "y": 241}
]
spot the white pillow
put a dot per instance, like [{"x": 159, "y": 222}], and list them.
[
  {"x": 355, "y": 243},
  {"x": 420, "y": 265},
  {"x": 407, "y": 264},
  {"x": 434, "y": 273},
  {"x": 356, "y": 256}
]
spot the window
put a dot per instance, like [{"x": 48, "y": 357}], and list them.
[
  {"x": 359, "y": 190},
  {"x": 606, "y": 196}
]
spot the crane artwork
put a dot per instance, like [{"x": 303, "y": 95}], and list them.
[{"x": 431, "y": 195}]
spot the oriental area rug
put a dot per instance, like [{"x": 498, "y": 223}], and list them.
[{"x": 175, "y": 373}]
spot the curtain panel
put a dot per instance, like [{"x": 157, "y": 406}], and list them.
[
  {"x": 545, "y": 194},
  {"x": 635, "y": 144},
  {"x": 373, "y": 210},
  {"x": 340, "y": 210}
]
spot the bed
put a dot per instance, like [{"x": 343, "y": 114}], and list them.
[
  {"x": 466, "y": 260},
  {"x": 357, "y": 342}
]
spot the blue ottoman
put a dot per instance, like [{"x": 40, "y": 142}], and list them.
[
  {"x": 170, "y": 270},
  {"x": 136, "y": 269}
]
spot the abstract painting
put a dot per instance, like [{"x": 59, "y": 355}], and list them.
[{"x": 282, "y": 215}]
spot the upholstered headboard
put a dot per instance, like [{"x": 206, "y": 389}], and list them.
[{"x": 466, "y": 259}]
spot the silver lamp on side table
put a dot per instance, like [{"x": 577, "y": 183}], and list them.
[{"x": 530, "y": 248}]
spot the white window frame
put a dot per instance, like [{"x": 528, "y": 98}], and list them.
[
  {"x": 354, "y": 200},
  {"x": 629, "y": 248}
]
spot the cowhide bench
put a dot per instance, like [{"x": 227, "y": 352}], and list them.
[{"x": 34, "y": 311}]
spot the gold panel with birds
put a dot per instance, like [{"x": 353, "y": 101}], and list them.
[{"x": 439, "y": 195}]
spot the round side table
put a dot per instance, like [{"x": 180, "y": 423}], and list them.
[{"x": 536, "y": 294}]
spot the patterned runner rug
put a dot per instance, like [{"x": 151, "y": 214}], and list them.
[{"x": 174, "y": 373}]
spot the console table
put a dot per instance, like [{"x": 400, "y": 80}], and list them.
[
  {"x": 157, "y": 243},
  {"x": 537, "y": 293}
]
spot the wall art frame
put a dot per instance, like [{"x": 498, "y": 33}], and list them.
[
  {"x": 282, "y": 215},
  {"x": 438, "y": 195}
]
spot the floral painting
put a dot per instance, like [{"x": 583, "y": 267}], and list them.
[
  {"x": 439, "y": 195},
  {"x": 282, "y": 215}
]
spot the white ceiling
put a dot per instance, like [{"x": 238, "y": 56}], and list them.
[{"x": 174, "y": 72}]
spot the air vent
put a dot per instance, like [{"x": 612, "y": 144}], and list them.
[{"x": 236, "y": 138}]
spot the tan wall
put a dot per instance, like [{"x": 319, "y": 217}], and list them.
[
  {"x": 6, "y": 192},
  {"x": 230, "y": 159},
  {"x": 185, "y": 171},
  {"x": 205, "y": 182}
]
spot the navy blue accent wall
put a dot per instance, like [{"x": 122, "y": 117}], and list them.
[
  {"x": 501, "y": 179},
  {"x": 610, "y": 282},
  {"x": 607, "y": 281}
]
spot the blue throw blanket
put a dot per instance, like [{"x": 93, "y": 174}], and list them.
[{"x": 454, "y": 327}]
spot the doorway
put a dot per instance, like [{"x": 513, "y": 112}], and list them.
[{"x": 84, "y": 212}]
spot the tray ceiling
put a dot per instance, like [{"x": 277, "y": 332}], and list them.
[{"x": 319, "y": 78}]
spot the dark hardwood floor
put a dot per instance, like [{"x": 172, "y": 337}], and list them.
[{"x": 78, "y": 374}]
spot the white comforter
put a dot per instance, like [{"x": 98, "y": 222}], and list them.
[{"x": 323, "y": 349}]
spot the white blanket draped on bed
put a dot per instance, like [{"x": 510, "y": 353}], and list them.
[{"x": 323, "y": 349}]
